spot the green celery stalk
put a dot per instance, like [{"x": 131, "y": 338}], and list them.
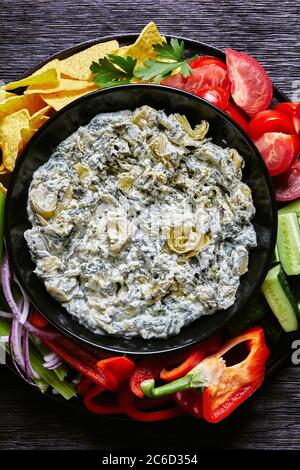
[{"x": 47, "y": 376}]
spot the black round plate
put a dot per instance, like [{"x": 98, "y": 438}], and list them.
[
  {"x": 223, "y": 132},
  {"x": 281, "y": 352}
]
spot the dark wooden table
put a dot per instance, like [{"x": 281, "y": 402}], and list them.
[{"x": 32, "y": 30}]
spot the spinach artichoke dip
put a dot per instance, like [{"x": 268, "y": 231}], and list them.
[{"x": 140, "y": 224}]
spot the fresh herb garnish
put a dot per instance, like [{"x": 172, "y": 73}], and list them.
[
  {"x": 157, "y": 69},
  {"x": 116, "y": 70},
  {"x": 113, "y": 70}
]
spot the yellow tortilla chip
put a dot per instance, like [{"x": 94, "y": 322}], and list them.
[
  {"x": 48, "y": 76},
  {"x": 31, "y": 102},
  {"x": 10, "y": 136},
  {"x": 53, "y": 64},
  {"x": 65, "y": 84},
  {"x": 142, "y": 49},
  {"x": 2, "y": 189},
  {"x": 37, "y": 117},
  {"x": 26, "y": 135},
  {"x": 62, "y": 98},
  {"x": 4, "y": 95},
  {"x": 78, "y": 65}
]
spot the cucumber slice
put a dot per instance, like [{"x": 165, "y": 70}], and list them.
[
  {"x": 288, "y": 242},
  {"x": 291, "y": 207},
  {"x": 281, "y": 300},
  {"x": 276, "y": 258}
]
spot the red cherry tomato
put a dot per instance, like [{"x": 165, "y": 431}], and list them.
[
  {"x": 251, "y": 88},
  {"x": 287, "y": 185},
  {"x": 237, "y": 115},
  {"x": 210, "y": 75},
  {"x": 206, "y": 60},
  {"x": 217, "y": 96},
  {"x": 278, "y": 151},
  {"x": 293, "y": 111},
  {"x": 270, "y": 120}
]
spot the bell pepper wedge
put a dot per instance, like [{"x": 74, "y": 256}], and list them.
[
  {"x": 194, "y": 357},
  {"x": 127, "y": 399},
  {"x": 84, "y": 385},
  {"x": 37, "y": 320},
  {"x": 223, "y": 388},
  {"x": 190, "y": 401},
  {"x": 118, "y": 369},
  {"x": 146, "y": 369},
  {"x": 92, "y": 401}
]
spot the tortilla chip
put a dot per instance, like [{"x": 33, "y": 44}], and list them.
[
  {"x": 31, "y": 102},
  {"x": 37, "y": 117},
  {"x": 62, "y": 98},
  {"x": 10, "y": 136},
  {"x": 53, "y": 64},
  {"x": 142, "y": 49},
  {"x": 48, "y": 76},
  {"x": 2, "y": 189},
  {"x": 63, "y": 85},
  {"x": 4, "y": 95},
  {"x": 3, "y": 170},
  {"x": 26, "y": 135},
  {"x": 78, "y": 65}
]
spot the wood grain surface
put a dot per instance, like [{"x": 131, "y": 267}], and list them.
[{"x": 32, "y": 30}]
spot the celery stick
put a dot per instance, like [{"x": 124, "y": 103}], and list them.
[{"x": 47, "y": 376}]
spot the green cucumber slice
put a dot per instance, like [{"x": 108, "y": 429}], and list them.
[
  {"x": 291, "y": 207},
  {"x": 280, "y": 298},
  {"x": 288, "y": 242}
]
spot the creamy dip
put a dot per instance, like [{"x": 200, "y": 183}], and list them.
[{"x": 140, "y": 225}]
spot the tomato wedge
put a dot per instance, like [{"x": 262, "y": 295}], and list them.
[
  {"x": 287, "y": 185},
  {"x": 293, "y": 111},
  {"x": 251, "y": 88},
  {"x": 206, "y": 60},
  {"x": 270, "y": 120},
  {"x": 217, "y": 96},
  {"x": 237, "y": 115},
  {"x": 278, "y": 151},
  {"x": 210, "y": 75}
]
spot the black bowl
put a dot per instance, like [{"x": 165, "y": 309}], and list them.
[{"x": 223, "y": 131}]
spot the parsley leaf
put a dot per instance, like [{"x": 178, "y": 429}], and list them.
[
  {"x": 158, "y": 68},
  {"x": 113, "y": 70}
]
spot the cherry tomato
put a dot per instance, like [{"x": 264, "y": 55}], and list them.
[
  {"x": 287, "y": 185},
  {"x": 210, "y": 75},
  {"x": 206, "y": 60},
  {"x": 293, "y": 111},
  {"x": 278, "y": 151},
  {"x": 217, "y": 96},
  {"x": 237, "y": 115},
  {"x": 251, "y": 88},
  {"x": 270, "y": 120}
]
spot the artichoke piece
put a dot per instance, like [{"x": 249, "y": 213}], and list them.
[
  {"x": 200, "y": 130},
  {"x": 186, "y": 240},
  {"x": 125, "y": 182},
  {"x": 81, "y": 170},
  {"x": 118, "y": 232},
  {"x": 43, "y": 201}
]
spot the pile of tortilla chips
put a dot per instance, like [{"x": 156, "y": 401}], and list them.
[{"x": 54, "y": 86}]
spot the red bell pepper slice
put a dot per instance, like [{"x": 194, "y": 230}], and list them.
[
  {"x": 118, "y": 369},
  {"x": 195, "y": 356},
  {"x": 100, "y": 406},
  {"x": 224, "y": 388},
  {"x": 190, "y": 401},
  {"x": 126, "y": 401},
  {"x": 37, "y": 320},
  {"x": 146, "y": 369},
  {"x": 84, "y": 385}
]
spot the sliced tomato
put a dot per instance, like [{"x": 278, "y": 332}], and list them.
[
  {"x": 237, "y": 115},
  {"x": 217, "y": 96},
  {"x": 293, "y": 111},
  {"x": 251, "y": 88},
  {"x": 287, "y": 185},
  {"x": 210, "y": 75},
  {"x": 206, "y": 60},
  {"x": 270, "y": 120},
  {"x": 278, "y": 151}
]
